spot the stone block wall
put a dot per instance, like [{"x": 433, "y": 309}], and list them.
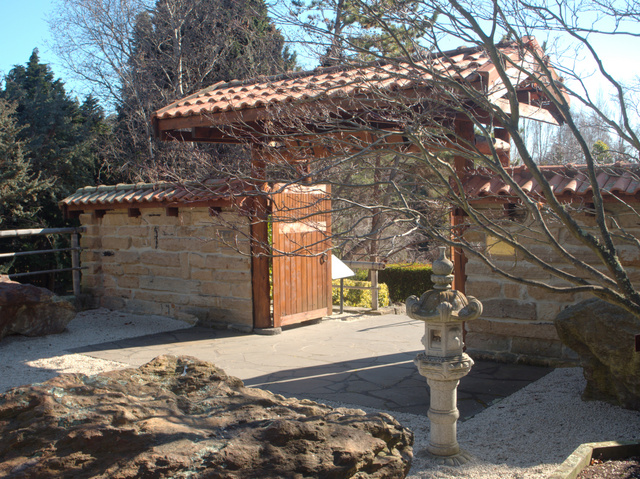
[
  {"x": 195, "y": 266},
  {"x": 517, "y": 322}
]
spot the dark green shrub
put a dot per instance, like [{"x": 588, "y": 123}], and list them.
[{"x": 405, "y": 279}]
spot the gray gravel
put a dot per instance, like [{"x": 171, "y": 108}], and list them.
[
  {"x": 530, "y": 433},
  {"x": 527, "y": 435},
  {"x": 26, "y": 360}
]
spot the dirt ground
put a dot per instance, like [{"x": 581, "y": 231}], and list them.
[{"x": 615, "y": 469}]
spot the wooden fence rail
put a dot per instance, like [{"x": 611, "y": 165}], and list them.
[
  {"x": 372, "y": 266},
  {"x": 75, "y": 252}
]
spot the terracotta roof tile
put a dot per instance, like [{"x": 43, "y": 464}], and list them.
[
  {"x": 565, "y": 180},
  {"x": 169, "y": 193},
  {"x": 237, "y": 95}
]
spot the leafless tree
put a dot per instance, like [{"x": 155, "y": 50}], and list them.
[
  {"x": 138, "y": 55},
  {"x": 425, "y": 132},
  {"x": 94, "y": 39}
]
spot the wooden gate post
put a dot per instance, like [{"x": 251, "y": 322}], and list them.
[
  {"x": 260, "y": 253},
  {"x": 260, "y": 265}
]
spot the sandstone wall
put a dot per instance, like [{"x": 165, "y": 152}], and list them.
[
  {"x": 176, "y": 266},
  {"x": 517, "y": 322}
]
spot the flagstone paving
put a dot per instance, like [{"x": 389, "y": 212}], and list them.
[{"x": 367, "y": 362}]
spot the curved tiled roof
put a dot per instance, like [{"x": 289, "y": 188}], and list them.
[
  {"x": 565, "y": 180},
  {"x": 336, "y": 82},
  {"x": 169, "y": 193}
]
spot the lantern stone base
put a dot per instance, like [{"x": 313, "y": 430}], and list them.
[
  {"x": 462, "y": 457},
  {"x": 446, "y": 369},
  {"x": 443, "y": 376}
]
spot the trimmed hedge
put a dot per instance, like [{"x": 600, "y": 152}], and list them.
[
  {"x": 405, "y": 279},
  {"x": 359, "y": 297}
]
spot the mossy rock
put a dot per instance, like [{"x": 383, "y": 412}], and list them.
[{"x": 603, "y": 335}]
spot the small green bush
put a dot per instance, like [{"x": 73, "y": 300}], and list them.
[
  {"x": 359, "y": 297},
  {"x": 405, "y": 279}
]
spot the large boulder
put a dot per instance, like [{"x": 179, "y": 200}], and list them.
[
  {"x": 31, "y": 311},
  {"x": 181, "y": 417},
  {"x": 604, "y": 336}
]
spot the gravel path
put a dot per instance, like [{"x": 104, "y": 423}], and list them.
[
  {"x": 26, "y": 360},
  {"x": 527, "y": 435}
]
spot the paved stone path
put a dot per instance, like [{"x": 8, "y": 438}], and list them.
[{"x": 366, "y": 361}]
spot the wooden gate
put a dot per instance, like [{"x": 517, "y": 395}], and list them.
[{"x": 301, "y": 249}]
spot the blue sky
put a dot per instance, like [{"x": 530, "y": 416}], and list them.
[{"x": 24, "y": 28}]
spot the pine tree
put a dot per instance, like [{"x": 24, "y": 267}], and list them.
[
  {"x": 352, "y": 30},
  {"x": 19, "y": 185},
  {"x": 60, "y": 137},
  {"x": 50, "y": 145}
]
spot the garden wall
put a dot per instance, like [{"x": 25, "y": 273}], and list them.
[
  {"x": 517, "y": 322},
  {"x": 170, "y": 261}
]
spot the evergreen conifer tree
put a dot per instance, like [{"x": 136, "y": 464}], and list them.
[
  {"x": 60, "y": 137},
  {"x": 50, "y": 145},
  {"x": 19, "y": 185}
]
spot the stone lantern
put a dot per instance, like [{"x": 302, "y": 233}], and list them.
[{"x": 443, "y": 362}]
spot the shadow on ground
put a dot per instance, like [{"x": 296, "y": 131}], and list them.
[
  {"x": 390, "y": 382},
  {"x": 394, "y": 384}
]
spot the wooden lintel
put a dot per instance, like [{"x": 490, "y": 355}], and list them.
[
  {"x": 248, "y": 119},
  {"x": 221, "y": 203},
  {"x": 212, "y": 135},
  {"x": 244, "y": 126}
]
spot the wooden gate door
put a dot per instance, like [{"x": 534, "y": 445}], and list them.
[{"x": 301, "y": 254}]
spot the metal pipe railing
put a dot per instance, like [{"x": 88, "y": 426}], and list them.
[
  {"x": 30, "y": 253},
  {"x": 38, "y": 231},
  {"x": 75, "y": 252}
]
